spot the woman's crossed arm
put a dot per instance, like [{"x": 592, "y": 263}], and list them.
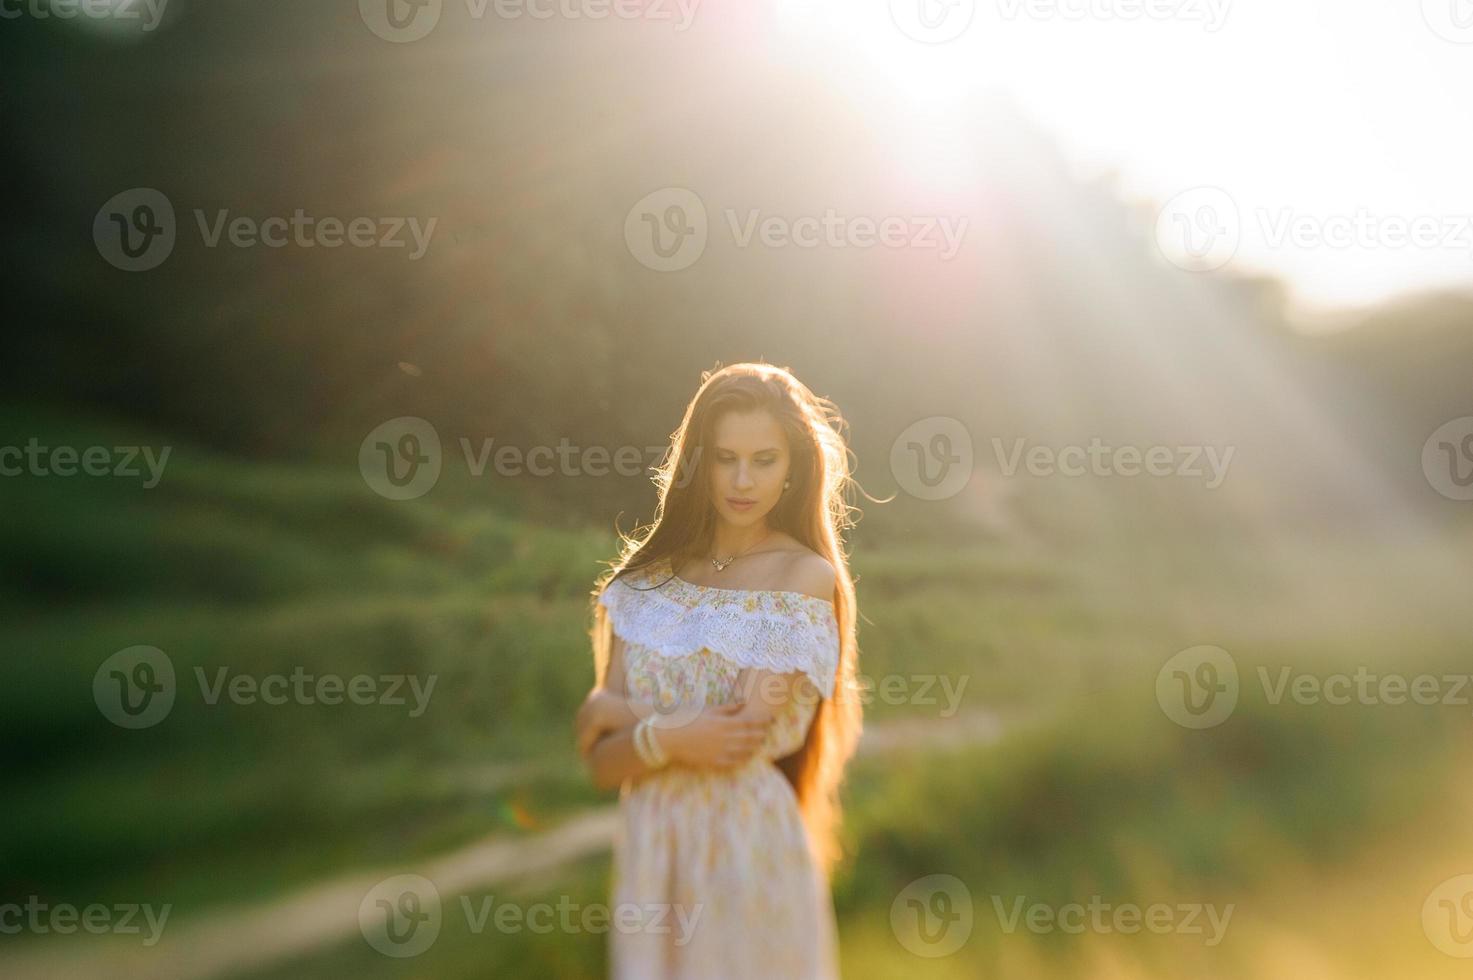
[{"x": 719, "y": 737}]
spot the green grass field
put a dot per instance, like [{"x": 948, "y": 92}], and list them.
[{"x": 270, "y": 569}]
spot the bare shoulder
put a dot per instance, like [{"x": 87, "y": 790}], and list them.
[{"x": 810, "y": 573}]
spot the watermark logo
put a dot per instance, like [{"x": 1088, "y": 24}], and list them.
[
  {"x": 932, "y": 916},
  {"x": 1365, "y": 688},
  {"x": 933, "y": 459},
  {"x": 310, "y": 231},
  {"x": 134, "y": 688},
  {"x": 1363, "y": 228},
  {"x": 942, "y": 691},
  {"x": 1198, "y": 687},
  {"x": 400, "y": 916},
  {"x": 1451, "y": 20},
  {"x": 1199, "y": 229},
  {"x": 64, "y": 918},
  {"x": 1202, "y": 229},
  {"x": 1125, "y": 918},
  {"x": 401, "y": 459},
  {"x": 400, "y": 21},
  {"x": 1211, "y": 14},
  {"x": 666, "y": 707},
  {"x": 121, "y": 14},
  {"x": 1099, "y": 459},
  {"x": 1447, "y": 916},
  {"x": 135, "y": 230},
  {"x": 37, "y": 460},
  {"x": 1447, "y": 459},
  {"x": 666, "y": 230},
  {"x": 933, "y": 21},
  {"x": 302, "y": 688},
  {"x": 655, "y": 918}
]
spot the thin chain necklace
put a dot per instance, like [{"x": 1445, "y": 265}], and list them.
[{"x": 720, "y": 563}]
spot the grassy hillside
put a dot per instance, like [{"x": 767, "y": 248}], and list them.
[{"x": 262, "y": 570}]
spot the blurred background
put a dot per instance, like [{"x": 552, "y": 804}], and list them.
[{"x": 345, "y": 335}]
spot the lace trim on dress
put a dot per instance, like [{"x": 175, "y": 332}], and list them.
[{"x": 767, "y": 629}]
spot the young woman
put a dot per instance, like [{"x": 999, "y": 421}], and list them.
[{"x": 724, "y": 702}]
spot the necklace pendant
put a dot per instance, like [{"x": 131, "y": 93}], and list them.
[{"x": 721, "y": 565}]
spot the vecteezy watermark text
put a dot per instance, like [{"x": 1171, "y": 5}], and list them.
[
  {"x": 136, "y": 230},
  {"x": 309, "y": 231},
  {"x": 402, "y": 916},
  {"x": 1098, "y": 459},
  {"x": 135, "y": 688},
  {"x": 933, "y": 916},
  {"x": 120, "y": 919},
  {"x": 300, "y": 687},
  {"x": 147, "y": 13},
  {"x": 35, "y": 459},
  {"x": 1126, "y": 918},
  {"x": 1199, "y": 687},
  {"x": 403, "y": 458},
  {"x": 913, "y": 690},
  {"x": 404, "y": 21},
  {"x": 1212, "y": 14},
  {"x": 1202, "y": 228},
  {"x": 933, "y": 459},
  {"x": 667, "y": 230}
]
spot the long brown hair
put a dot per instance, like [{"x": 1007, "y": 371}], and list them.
[{"x": 813, "y": 510}]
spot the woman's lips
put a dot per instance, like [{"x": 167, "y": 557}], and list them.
[{"x": 738, "y": 504}]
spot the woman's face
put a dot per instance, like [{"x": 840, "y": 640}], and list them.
[{"x": 749, "y": 461}]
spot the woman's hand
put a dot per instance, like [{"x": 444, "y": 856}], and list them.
[{"x": 721, "y": 737}]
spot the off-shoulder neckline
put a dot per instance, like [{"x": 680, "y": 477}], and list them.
[{"x": 668, "y": 565}]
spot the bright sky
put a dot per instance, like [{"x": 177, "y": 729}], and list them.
[
  {"x": 1339, "y": 116},
  {"x": 1332, "y": 133}
]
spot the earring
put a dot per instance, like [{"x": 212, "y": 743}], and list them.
[{"x": 787, "y": 483}]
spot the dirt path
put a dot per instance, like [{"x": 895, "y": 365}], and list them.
[{"x": 234, "y": 939}]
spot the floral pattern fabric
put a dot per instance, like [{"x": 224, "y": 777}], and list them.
[{"x": 718, "y": 859}]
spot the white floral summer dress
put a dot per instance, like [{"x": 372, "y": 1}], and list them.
[{"x": 723, "y": 853}]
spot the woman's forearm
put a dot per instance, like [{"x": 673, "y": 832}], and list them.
[
  {"x": 624, "y": 713},
  {"x": 720, "y": 737},
  {"x": 613, "y": 759}
]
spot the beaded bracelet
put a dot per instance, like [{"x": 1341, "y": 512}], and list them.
[
  {"x": 639, "y": 747},
  {"x": 646, "y": 747},
  {"x": 657, "y": 752}
]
